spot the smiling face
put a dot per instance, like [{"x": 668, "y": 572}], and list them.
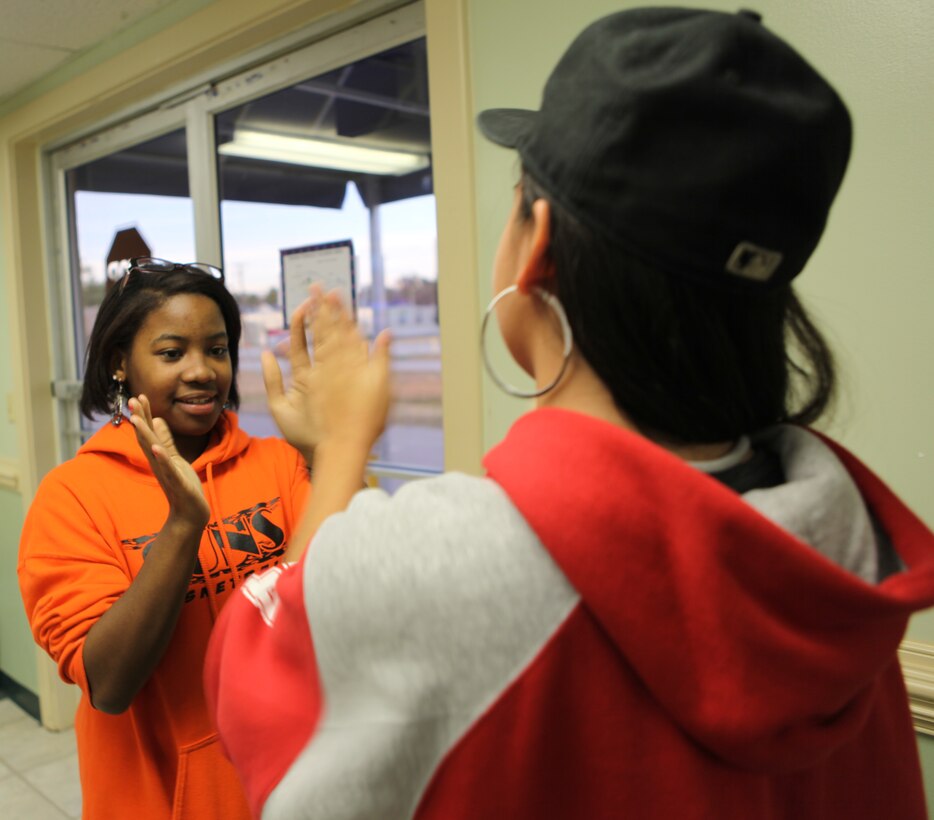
[{"x": 180, "y": 360}]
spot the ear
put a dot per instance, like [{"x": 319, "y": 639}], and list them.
[
  {"x": 539, "y": 270},
  {"x": 118, "y": 366}
]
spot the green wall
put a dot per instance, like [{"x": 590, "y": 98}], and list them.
[
  {"x": 9, "y": 447},
  {"x": 17, "y": 653},
  {"x": 17, "y": 650},
  {"x": 926, "y": 748}
]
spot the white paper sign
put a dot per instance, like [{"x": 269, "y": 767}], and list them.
[{"x": 329, "y": 264}]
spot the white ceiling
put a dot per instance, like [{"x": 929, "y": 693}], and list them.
[{"x": 36, "y": 36}]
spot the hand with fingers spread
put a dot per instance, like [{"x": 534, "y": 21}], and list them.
[
  {"x": 293, "y": 409},
  {"x": 350, "y": 383},
  {"x": 178, "y": 480},
  {"x": 343, "y": 393}
]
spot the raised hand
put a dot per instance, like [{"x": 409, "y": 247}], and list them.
[
  {"x": 292, "y": 409},
  {"x": 350, "y": 383},
  {"x": 178, "y": 480},
  {"x": 345, "y": 396},
  {"x": 342, "y": 394}
]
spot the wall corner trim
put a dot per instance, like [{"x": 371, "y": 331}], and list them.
[
  {"x": 9, "y": 475},
  {"x": 917, "y": 660}
]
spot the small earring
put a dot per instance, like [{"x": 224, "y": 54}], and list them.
[
  {"x": 566, "y": 334},
  {"x": 117, "y": 403},
  {"x": 227, "y": 405}
]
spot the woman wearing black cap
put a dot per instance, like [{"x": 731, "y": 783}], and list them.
[{"x": 668, "y": 597}]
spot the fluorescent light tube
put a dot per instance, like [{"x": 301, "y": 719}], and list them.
[{"x": 322, "y": 153}]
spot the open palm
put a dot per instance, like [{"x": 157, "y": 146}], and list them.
[
  {"x": 292, "y": 409},
  {"x": 178, "y": 480},
  {"x": 343, "y": 392}
]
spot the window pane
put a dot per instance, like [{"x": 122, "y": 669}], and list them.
[
  {"x": 133, "y": 202},
  {"x": 288, "y": 181}
]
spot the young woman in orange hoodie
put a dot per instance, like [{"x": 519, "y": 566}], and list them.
[{"x": 130, "y": 548}]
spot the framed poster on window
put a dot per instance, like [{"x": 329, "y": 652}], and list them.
[{"x": 330, "y": 264}]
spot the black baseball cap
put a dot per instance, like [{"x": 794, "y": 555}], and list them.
[{"x": 698, "y": 141}]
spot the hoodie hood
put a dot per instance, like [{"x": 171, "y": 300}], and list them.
[
  {"x": 763, "y": 646},
  {"x": 227, "y": 441}
]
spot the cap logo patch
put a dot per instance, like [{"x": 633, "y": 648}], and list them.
[{"x": 752, "y": 262}]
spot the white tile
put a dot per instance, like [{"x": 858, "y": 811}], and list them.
[
  {"x": 24, "y": 744},
  {"x": 21, "y": 802},
  {"x": 58, "y": 782},
  {"x": 9, "y": 712},
  {"x": 10, "y": 718}
]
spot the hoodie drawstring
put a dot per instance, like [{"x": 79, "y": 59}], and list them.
[{"x": 226, "y": 552}]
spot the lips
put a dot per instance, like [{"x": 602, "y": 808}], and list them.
[{"x": 197, "y": 403}]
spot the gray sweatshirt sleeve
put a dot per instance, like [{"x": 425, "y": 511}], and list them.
[{"x": 423, "y": 608}]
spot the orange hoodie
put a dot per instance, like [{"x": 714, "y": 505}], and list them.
[{"x": 84, "y": 540}]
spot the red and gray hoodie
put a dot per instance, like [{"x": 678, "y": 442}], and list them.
[
  {"x": 86, "y": 537},
  {"x": 595, "y": 630}
]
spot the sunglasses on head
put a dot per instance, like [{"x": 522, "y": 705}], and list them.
[{"x": 151, "y": 265}]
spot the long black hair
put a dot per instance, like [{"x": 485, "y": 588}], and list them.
[
  {"x": 122, "y": 313},
  {"x": 687, "y": 363}
]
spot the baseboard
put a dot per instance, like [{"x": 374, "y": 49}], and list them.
[
  {"x": 917, "y": 660},
  {"x": 27, "y": 700}
]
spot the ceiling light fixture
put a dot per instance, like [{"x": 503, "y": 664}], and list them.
[{"x": 318, "y": 153}]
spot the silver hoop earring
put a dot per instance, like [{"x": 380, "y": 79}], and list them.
[
  {"x": 552, "y": 301},
  {"x": 117, "y": 402}
]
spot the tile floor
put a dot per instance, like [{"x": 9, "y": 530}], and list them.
[{"x": 38, "y": 769}]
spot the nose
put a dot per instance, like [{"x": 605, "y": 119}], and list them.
[{"x": 199, "y": 371}]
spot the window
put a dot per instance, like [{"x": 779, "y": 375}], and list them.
[
  {"x": 341, "y": 155},
  {"x": 361, "y": 97},
  {"x": 132, "y": 202}
]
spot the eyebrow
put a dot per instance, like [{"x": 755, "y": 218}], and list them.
[{"x": 171, "y": 337}]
